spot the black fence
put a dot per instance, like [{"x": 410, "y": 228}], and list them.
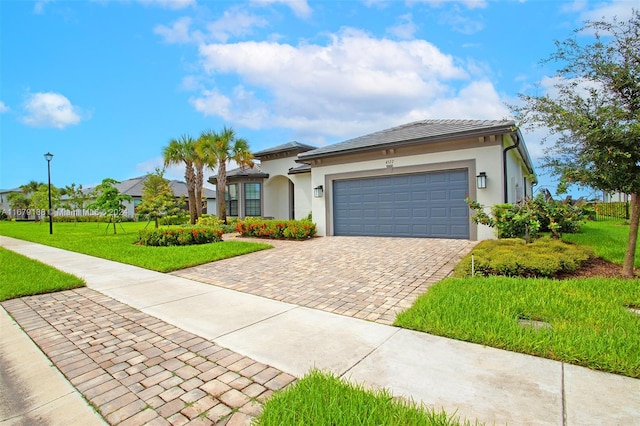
[{"x": 612, "y": 211}]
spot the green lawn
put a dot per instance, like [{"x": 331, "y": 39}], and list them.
[
  {"x": 21, "y": 276},
  {"x": 590, "y": 320},
  {"x": 323, "y": 399},
  {"x": 607, "y": 238},
  {"x": 91, "y": 238}
]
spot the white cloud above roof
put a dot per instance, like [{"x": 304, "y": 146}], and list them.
[
  {"x": 4, "y": 108},
  {"x": 353, "y": 83},
  {"x": 50, "y": 109}
]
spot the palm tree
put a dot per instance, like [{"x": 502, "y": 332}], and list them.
[
  {"x": 224, "y": 147},
  {"x": 203, "y": 159},
  {"x": 179, "y": 151}
]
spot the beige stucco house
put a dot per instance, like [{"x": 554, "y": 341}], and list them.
[{"x": 406, "y": 181}]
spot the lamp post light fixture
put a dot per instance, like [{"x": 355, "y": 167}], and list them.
[
  {"x": 317, "y": 191},
  {"x": 481, "y": 180},
  {"x": 49, "y": 156}
]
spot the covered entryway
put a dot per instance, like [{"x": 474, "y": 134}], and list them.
[{"x": 412, "y": 205}]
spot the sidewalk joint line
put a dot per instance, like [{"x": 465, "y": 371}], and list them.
[{"x": 371, "y": 351}]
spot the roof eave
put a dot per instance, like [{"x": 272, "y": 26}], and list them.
[{"x": 507, "y": 128}]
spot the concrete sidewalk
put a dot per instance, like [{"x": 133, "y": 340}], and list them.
[{"x": 487, "y": 384}]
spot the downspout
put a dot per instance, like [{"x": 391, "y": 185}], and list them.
[{"x": 504, "y": 164}]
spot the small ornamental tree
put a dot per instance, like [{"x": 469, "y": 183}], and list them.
[
  {"x": 19, "y": 203},
  {"x": 110, "y": 201},
  {"x": 40, "y": 200},
  {"x": 157, "y": 198},
  {"x": 76, "y": 199}
]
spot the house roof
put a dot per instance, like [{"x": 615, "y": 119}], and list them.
[
  {"x": 242, "y": 172},
  {"x": 291, "y": 148},
  {"x": 301, "y": 168},
  {"x": 133, "y": 187},
  {"x": 412, "y": 133}
]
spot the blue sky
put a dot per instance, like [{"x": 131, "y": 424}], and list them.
[{"x": 104, "y": 85}]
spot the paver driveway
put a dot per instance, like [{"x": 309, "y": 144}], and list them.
[{"x": 370, "y": 278}]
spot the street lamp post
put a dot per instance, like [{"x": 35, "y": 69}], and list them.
[{"x": 49, "y": 156}]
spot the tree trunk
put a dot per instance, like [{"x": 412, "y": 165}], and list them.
[
  {"x": 630, "y": 254},
  {"x": 199, "y": 184},
  {"x": 113, "y": 221},
  {"x": 190, "y": 177},
  {"x": 221, "y": 191},
  {"x": 157, "y": 224}
]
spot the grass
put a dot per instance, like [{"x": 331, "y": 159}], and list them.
[
  {"x": 608, "y": 239},
  {"x": 323, "y": 399},
  {"x": 91, "y": 239},
  {"x": 22, "y": 276},
  {"x": 590, "y": 322}
]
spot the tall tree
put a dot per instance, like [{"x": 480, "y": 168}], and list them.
[
  {"x": 110, "y": 201},
  {"x": 180, "y": 151},
  {"x": 595, "y": 113},
  {"x": 157, "y": 198},
  {"x": 220, "y": 148},
  {"x": 203, "y": 159},
  {"x": 31, "y": 187}
]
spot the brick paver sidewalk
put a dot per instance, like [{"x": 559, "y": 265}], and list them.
[{"x": 136, "y": 369}]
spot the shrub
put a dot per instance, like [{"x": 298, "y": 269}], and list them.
[
  {"x": 174, "y": 220},
  {"x": 277, "y": 229},
  {"x": 512, "y": 257},
  {"x": 528, "y": 218},
  {"x": 179, "y": 236}
]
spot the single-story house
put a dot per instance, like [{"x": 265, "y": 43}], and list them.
[
  {"x": 406, "y": 181},
  {"x": 133, "y": 187}
]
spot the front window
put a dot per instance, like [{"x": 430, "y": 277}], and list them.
[
  {"x": 252, "y": 204},
  {"x": 231, "y": 197}
]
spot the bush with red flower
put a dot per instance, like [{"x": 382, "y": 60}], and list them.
[{"x": 276, "y": 229}]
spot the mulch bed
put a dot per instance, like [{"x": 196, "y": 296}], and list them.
[{"x": 596, "y": 267}]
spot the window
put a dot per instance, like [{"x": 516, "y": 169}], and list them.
[
  {"x": 252, "y": 204},
  {"x": 231, "y": 197}
]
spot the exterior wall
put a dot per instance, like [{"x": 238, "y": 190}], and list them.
[
  {"x": 518, "y": 182},
  {"x": 276, "y": 197},
  {"x": 277, "y": 191},
  {"x": 303, "y": 194},
  {"x": 476, "y": 156}
]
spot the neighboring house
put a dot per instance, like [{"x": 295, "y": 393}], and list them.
[
  {"x": 407, "y": 181},
  {"x": 133, "y": 187},
  {"x": 4, "y": 202}
]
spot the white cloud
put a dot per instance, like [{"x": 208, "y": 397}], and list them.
[
  {"x": 299, "y": 7},
  {"x": 178, "y": 32},
  {"x": 38, "y": 7},
  {"x": 4, "y": 108},
  {"x": 355, "y": 83},
  {"x": 236, "y": 23},
  {"x": 471, "y": 4},
  {"x": 479, "y": 100},
  {"x": 50, "y": 110},
  {"x": 169, "y": 4},
  {"x": 405, "y": 29},
  {"x": 621, "y": 9}
]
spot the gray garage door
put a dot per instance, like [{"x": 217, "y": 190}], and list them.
[{"x": 415, "y": 205}]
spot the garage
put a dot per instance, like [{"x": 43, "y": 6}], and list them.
[{"x": 430, "y": 204}]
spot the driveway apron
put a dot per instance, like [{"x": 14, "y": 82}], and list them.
[{"x": 371, "y": 278}]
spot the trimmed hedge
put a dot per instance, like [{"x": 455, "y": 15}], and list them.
[
  {"x": 513, "y": 258},
  {"x": 163, "y": 237},
  {"x": 276, "y": 229}
]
